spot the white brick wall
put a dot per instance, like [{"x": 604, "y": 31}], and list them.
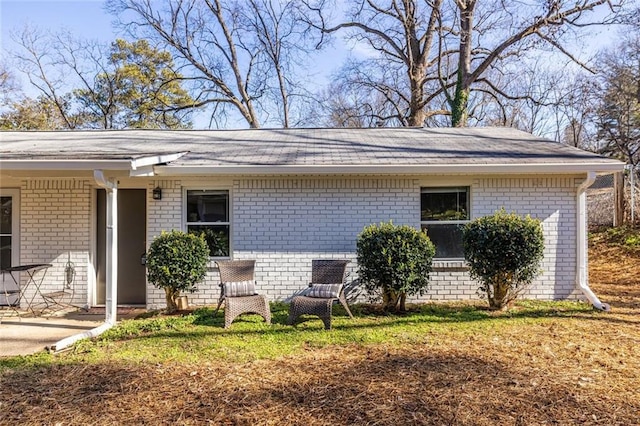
[
  {"x": 553, "y": 201},
  {"x": 162, "y": 215},
  {"x": 286, "y": 222},
  {"x": 55, "y": 226}
]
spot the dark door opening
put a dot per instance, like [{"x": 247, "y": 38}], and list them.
[{"x": 132, "y": 215}]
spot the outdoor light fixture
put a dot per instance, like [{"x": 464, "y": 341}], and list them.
[{"x": 157, "y": 193}]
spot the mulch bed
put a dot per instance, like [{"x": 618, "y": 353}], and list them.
[{"x": 555, "y": 372}]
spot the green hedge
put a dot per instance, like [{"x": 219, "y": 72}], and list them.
[
  {"x": 394, "y": 261},
  {"x": 504, "y": 252},
  {"x": 177, "y": 261}
]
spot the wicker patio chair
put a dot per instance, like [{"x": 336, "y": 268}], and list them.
[
  {"x": 326, "y": 287},
  {"x": 237, "y": 291}
]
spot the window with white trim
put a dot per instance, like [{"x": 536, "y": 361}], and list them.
[
  {"x": 207, "y": 212},
  {"x": 443, "y": 211}
]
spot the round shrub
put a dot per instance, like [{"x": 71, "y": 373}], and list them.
[
  {"x": 177, "y": 261},
  {"x": 394, "y": 261},
  {"x": 504, "y": 252}
]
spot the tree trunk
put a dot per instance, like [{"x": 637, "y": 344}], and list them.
[
  {"x": 403, "y": 302},
  {"x": 389, "y": 300},
  {"x": 460, "y": 102},
  {"x": 170, "y": 296},
  {"x": 498, "y": 300}
]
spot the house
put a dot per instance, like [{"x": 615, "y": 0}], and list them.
[{"x": 96, "y": 199}]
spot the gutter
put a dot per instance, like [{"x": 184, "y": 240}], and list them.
[
  {"x": 111, "y": 266},
  {"x": 385, "y": 169},
  {"x": 582, "y": 280}
]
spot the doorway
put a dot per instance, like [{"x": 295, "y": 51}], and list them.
[{"x": 132, "y": 242}]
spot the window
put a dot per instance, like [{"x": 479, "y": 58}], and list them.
[
  {"x": 208, "y": 214},
  {"x": 442, "y": 212}
]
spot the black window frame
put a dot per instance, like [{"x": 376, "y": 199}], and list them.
[
  {"x": 462, "y": 216},
  {"x": 219, "y": 226}
]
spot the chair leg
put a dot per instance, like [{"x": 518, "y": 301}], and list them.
[
  {"x": 322, "y": 308},
  {"x": 326, "y": 320},
  {"x": 218, "y": 307},
  {"x": 228, "y": 317},
  {"x": 255, "y": 305},
  {"x": 291, "y": 319},
  {"x": 267, "y": 312}
]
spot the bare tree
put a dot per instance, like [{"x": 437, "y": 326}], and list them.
[
  {"x": 276, "y": 30},
  {"x": 548, "y": 25},
  {"x": 446, "y": 50},
  {"x": 347, "y": 105},
  {"x": 41, "y": 65},
  {"x": 235, "y": 53},
  {"x": 94, "y": 85},
  {"x": 404, "y": 36}
]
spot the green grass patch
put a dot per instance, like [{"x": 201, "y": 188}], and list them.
[
  {"x": 625, "y": 237},
  {"x": 200, "y": 337}
]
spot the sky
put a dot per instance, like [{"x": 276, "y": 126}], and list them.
[
  {"x": 89, "y": 19},
  {"x": 85, "y": 18}
]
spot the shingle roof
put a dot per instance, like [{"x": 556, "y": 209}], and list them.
[{"x": 301, "y": 147}]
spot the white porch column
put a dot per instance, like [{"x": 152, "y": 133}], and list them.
[{"x": 111, "y": 296}]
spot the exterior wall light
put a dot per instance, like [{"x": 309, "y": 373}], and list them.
[{"x": 157, "y": 193}]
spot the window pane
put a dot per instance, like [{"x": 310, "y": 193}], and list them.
[
  {"x": 448, "y": 240},
  {"x": 207, "y": 206},
  {"x": 5, "y": 215},
  {"x": 217, "y": 237},
  {"x": 444, "y": 204}
]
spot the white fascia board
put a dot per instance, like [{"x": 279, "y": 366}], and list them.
[
  {"x": 139, "y": 167},
  {"x": 527, "y": 168},
  {"x": 65, "y": 164}
]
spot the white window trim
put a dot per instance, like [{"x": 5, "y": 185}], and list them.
[
  {"x": 229, "y": 223},
  {"x": 443, "y": 189}
]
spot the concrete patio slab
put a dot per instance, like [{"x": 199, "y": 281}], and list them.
[{"x": 27, "y": 335}]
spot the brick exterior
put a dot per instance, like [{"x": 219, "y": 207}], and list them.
[
  {"x": 55, "y": 226},
  {"x": 285, "y": 222}
]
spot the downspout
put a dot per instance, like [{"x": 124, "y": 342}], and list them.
[
  {"x": 111, "y": 265},
  {"x": 582, "y": 280}
]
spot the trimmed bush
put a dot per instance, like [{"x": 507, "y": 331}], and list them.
[
  {"x": 394, "y": 261},
  {"x": 504, "y": 252},
  {"x": 177, "y": 261}
]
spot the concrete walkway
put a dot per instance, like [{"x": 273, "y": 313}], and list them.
[{"x": 27, "y": 335}]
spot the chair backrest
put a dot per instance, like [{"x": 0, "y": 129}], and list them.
[
  {"x": 328, "y": 271},
  {"x": 236, "y": 270}
]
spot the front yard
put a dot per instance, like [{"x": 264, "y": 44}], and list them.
[{"x": 541, "y": 363}]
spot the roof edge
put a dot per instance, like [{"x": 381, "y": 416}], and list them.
[
  {"x": 132, "y": 164},
  {"x": 546, "y": 168},
  {"x": 65, "y": 164}
]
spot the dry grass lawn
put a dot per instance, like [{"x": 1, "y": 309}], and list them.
[{"x": 581, "y": 368}]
